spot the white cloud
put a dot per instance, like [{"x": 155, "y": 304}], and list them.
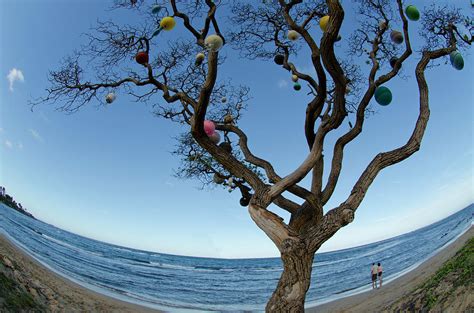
[
  {"x": 282, "y": 83},
  {"x": 8, "y": 144},
  {"x": 20, "y": 145},
  {"x": 15, "y": 75},
  {"x": 36, "y": 135}
]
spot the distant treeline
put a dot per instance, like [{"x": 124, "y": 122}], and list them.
[{"x": 8, "y": 200}]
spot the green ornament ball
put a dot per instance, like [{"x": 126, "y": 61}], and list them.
[
  {"x": 452, "y": 55},
  {"x": 383, "y": 95},
  {"x": 458, "y": 62},
  {"x": 156, "y": 9},
  {"x": 412, "y": 13},
  {"x": 296, "y": 86}
]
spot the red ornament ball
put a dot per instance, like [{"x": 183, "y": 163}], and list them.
[{"x": 141, "y": 57}]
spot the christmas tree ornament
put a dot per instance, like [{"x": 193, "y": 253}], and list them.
[
  {"x": 213, "y": 42},
  {"x": 226, "y": 146},
  {"x": 412, "y": 13},
  {"x": 218, "y": 179},
  {"x": 383, "y": 95},
  {"x": 156, "y": 9},
  {"x": 110, "y": 97},
  {"x": 244, "y": 201},
  {"x": 396, "y": 36},
  {"x": 141, "y": 57},
  {"x": 199, "y": 58},
  {"x": 209, "y": 127},
  {"x": 215, "y": 137},
  {"x": 293, "y": 35},
  {"x": 323, "y": 23},
  {"x": 168, "y": 23}
]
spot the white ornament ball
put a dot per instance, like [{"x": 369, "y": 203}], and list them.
[
  {"x": 293, "y": 35},
  {"x": 110, "y": 97},
  {"x": 213, "y": 42}
]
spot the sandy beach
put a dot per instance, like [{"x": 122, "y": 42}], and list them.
[{"x": 61, "y": 294}]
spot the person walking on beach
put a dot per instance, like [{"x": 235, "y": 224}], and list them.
[
  {"x": 373, "y": 272},
  {"x": 380, "y": 271}
]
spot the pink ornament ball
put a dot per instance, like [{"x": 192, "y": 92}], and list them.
[{"x": 209, "y": 127}]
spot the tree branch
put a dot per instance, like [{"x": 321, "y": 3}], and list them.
[
  {"x": 354, "y": 132},
  {"x": 269, "y": 170},
  {"x": 346, "y": 210},
  {"x": 272, "y": 225}
]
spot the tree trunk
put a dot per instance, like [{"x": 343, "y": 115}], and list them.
[{"x": 290, "y": 293}]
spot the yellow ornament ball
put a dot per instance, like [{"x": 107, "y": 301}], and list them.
[
  {"x": 294, "y": 78},
  {"x": 168, "y": 23},
  {"x": 323, "y": 22}
]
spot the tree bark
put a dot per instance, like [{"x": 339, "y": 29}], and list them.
[{"x": 290, "y": 293}]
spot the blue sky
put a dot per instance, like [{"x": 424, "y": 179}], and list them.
[{"x": 107, "y": 172}]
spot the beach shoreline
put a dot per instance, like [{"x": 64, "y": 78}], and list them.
[
  {"x": 56, "y": 291},
  {"x": 378, "y": 299},
  {"x": 64, "y": 293}
]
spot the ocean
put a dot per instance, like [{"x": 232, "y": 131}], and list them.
[{"x": 182, "y": 284}]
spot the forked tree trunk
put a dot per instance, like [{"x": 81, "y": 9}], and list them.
[{"x": 290, "y": 293}]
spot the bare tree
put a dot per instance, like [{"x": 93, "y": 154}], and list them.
[{"x": 269, "y": 30}]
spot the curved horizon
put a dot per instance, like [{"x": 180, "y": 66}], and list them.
[{"x": 255, "y": 258}]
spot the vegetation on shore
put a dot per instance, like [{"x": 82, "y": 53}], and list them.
[
  {"x": 451, "y": 288},
  {"x": 9, "y": 201},
  {"x": 13, "y": 296}
]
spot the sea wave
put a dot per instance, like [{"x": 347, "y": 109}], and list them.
[
  {"x": 65, "y": 244},
  {"x": 217, "y": 284}
]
